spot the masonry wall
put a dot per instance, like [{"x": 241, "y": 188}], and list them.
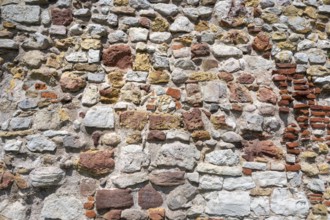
[{"x": 164, "y": 109}]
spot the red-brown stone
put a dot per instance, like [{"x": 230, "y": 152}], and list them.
[
  {"x": 199, "y": 50},
  {"x": 261, "y": 42},
  {"x": 90, "y": 213},
  {"x": 257, "y": 148},
  {"x": 193, "y": 120},
  {"x": 155, "y": 135},
  {"x": 114, "y": 214},
  {"x": 246, "y": 78},
  {"x": 96, "y": 162},
  {"x": 267, "y": 95},
  {"x": 164, "y": 121},
  {"x": 61, "y": 16},
  {"x": 239, "y": 93},
  {"x": 174, "y": 93},
  {"x": 226, "y": 76},
  {"x": 6, "y": 179},
  {"x": 148, "y": 197},
  {"x": 156, "y": 213},
  {"x": 167, "y": 178},
  {"x": 113, "y": 199},
  {"x": 117, "y": 56},
  {"x": 134, "y": 119}
]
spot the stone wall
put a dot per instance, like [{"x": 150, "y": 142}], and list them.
[{"x": 159, "y": 109}]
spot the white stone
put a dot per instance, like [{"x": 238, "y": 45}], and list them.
[
  {"x": 160, "y": 37},
  {"x": 213, "y": 91},
  {"x": 269, "y": 178},
  {"x": 8, "y": 44},
  {"x": 219, "y": 170},
  {"x": 39, "y": 143},
  {"x": 90, "y": 96},
  {"x": 132, "y": 158},
  {"x": 76, "y": 57},
  {"x": 222, "y": 157},
  {"x": 239, "y": 183},
  {"x": 284, "y": 202},
  {"x": 12, "y": 210},
  {"x": 166, "y": 9},
  {"x": 100, "y": 117},
  {"x": 47, "y": 176},
  {"x": 255, "y": 165},
  {"x": 222, "y": 9},
  {"x": 136, "y": 76},
  {"x": 93, "y": 56},
  {"x": 260, "y": 206},
  {"x": 228, "y": 203},
  {"x": 210, "y": 182},
  {"x": 224, "y": 51},
  {"x": 64, "y": 207},
  {"x": 138, "y": 34},
  {"x": 316, "y": 185},
  {"x": 178, "y": 135},
  {"x": 230, "y": 65},
  {"x": 21, "y": 13},
  {"x": 127, "y": 180},
  {"x": 13, "y": 145},
  {"x": 180, "y": 196},
  {"x": 57, "y": 30},
  {"x": 181, "y": 24}
]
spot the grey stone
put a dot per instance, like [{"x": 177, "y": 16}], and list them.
[
  {"x": 112, "y": 19},
  {"x": 191, "y": 13},
  {"x": 301, "y": 57},
  {"x": 178, "y": 76},
  {"x": 39, "y": 143},
  {"x": 160, "y": 62},
  {"x": 33, "y": 58},
  {"x": 136, "y": 76},
  {"x": 96, "y": 77},
  {"x": 197, "y": 206},
  {"x": 178, "y": 136},
  {"x": 222, "y": 157},
  {"x": 181, "y": 24},
  {"x": 252, "y": 122},
  {"x": 64, "y": 3},
  {"x": 160, "y": 37},
  {"x": 72, "y": 142},
  {"x": 134, "y": 214},
  {"x": 185, "y": 64},
  {"x": 266, "y": 3},
  {"x": 90, "y": 96},
  {"x": 117, "y": 36},
  {"x": 8, "y": 44},
  {"x": 36, "y": 41},
  {"x": 53, "y": 133},
  {"x": 228, "y": 203},
  {"x": 231, "y": 137},
  {"x": 255, "y": 165},
  {"x": 28, "y": 104},
  {"x": 76, "y": 29},
  {"x": 316, "y": 185},
  {"x": 299, "y": 24},
  {"x": 45, "y": 17},
  {"x": 82, "y": 12},
  {"x": 27, "y": 14},
  {"x": 46, "y": 119},
  {"x": 260, "y": 206},
  {"x": 100, "y": 117},
  {"x": 316, "y": 56},
  {"x": 239, "y": 183},
  {"x": 166, "y": 9},
  {"x": 210, "y": 182},
  {"x": 257, "y": 64},
  {"x": 96, "y": 29},
  {"x": 205, "y": 12},
  {"x": 305, "y": 44},
  {"x": 57, "y": 30},
  {"x": 284, "y": 202},
  {"x": 224, "y": 51},
  {"x": 230, "y": 65},
  {"x": 177, "y": 154},
  {"x": 13, "y": 210},
  {"x": 219, "y": 170},
  {"x": 64, "y": 207},
  {"x": 180, "y": 196},
  {"x": 132, "y": 158},
  {"x": 47, "y": 176},
  {"x": 139, "y": 4},
  {"x": 271, "y": 124},
  {"x": 12, "y": 145},
  {"x": 130, "y": 21},
  {"x": 76, "y": 57},
  {"x": 20, "y": 123},
  {"x": 138, "y": 34},
  {"x": 213, "y": 91},
  {"x": 324, "y": 9},
  {"x": 269, "y": 178},
  {"x": 222, "y": 9},
  {"x": 127, "y": 180}
]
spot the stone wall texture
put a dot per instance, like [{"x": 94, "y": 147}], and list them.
[{"x": 164, "y": 109}]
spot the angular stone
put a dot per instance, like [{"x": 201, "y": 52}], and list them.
[
  {"x": 239, "y": 93},
  {"x": 228, "y": 203},
  {"x": 178, "y": 135},
  {"x": 148, "y": 197},
  {"x": 8, "y": 44},
  {"x": 13, "y": 210},
  {"x": 166, "y": 9},
  {"x": 117, "y": 55},
  {"x": 224, "y": 51},
  {"x": 239, "y": 183},
  {"x": 138, "y": 34},
  {"x": 284, "y": 202},
  {"x": 156, "y": 213},
  {"x": 62, "y": 207},
  {"x": 219, "y": 170},
  {"x": 316, "y": 185},
  {"x": 270, "y": 178},
  {"x": 71, "y": 82},
  {"x": 199, "y": 50},
  {"x": 100, "y": 117},
  {"x": 61, "y": 16},
  {"x": 33, "y": 58},
  {"x": 261, "y": 42},
  {"x": 179, "y": 197},
  {"x": 126, "y": 180},
  {"x": 256, "y": 147},
  {"x": 252, "y": 122},
  {"x": 181, "y": 24},
  {"x": 134, "y": 119},
  {"x": 77, "y": 57},
  {"x": 39, "y": 143},
  {"x": 255, "y": 165},
  {"x": 210, "y": 182},
  {"x": 21, "y": 13},
  {"x": 267, "y": 95},
  {"x": 213, "y": 91},
  {"x": 136, "y": 76},
  {"x": 113, "y": 199},
  {"x": 114, "y": 214},
  {"x": 177, "y": 154},
  {"x": 222, "y": 157},
  {"x": 90, "y": 96},
  {"x": 97, "y": 162},
  {"x": 260, "y": 206},
  {"x": 156, "y": 77},
  {"x": 13, "y": 145},
  {"x": 167, "y": 178},
  {"x": 20, "y": 123},
  {"x": 132, "y": 158},
  {"x": 88, "y": 186},
  {"x": 193, "y": 119},
  {"x": 160, "y": 37},
  {"x": 164, "y": 121},
  {"x": 47, "y": 176},
  {"x": 27, "y": 104},
  {"x": 154, "y": 135},
  {"x": 299, "y": 24}
]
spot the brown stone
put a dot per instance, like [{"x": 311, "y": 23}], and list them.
[
  {"x": 114, "y": 214},
  {"x": 194, "y": 97},
  {"x": 113, "y": 199},
  {"x": 246, "y": 78},
  {"x": 218, "y": 121},
  {"x": 257, "y": 148},
  {"x": 225, "y": 76},
  {"x": 109, "y": 95},
  {"x": 155, "y": 135},
  {"x": 148, "y": 197},
  {"x": 174, "y": 93},
  {"x": 208, "y": 64},
  {"x": 48, "y": 95},
  {"x": 201, "y": 135},
  {"x": 89, "y": 205},
  {"x": 117, "y": 79},
  {"x": 199, "y": 50},
  {"x": 156, "y": 213},
  {"x": 88, "y": 187},
  {"x": 61, "y": 16},
  {"x": 90, "y": 213},
  {"x": 71, "y": 82},
  {"x": 160, "y": 76},
  {"x": 6, "y": 179},
  {"x": 193, "y": 120},
  {"x": 239, "y": 93},
  {"x": 267, "y": 95},
  {"x": 261, "y": 42},
  {"x": 164, "y": 121},
  {"x": 117, "y": 56},
  {"x": 97, "y": 162},
  {"x": 134, "y": 119},
  {"x": 167, "y": 178}
]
